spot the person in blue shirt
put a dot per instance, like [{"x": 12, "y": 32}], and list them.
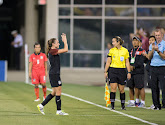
[{"x": 157, "y": 56}]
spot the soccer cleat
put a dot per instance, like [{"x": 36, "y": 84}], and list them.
[
  {"x": 41, "y": 108},
  {"x": 131, "y": 104},
  {"x": 151, "y": 107},
  {"x": 112, "y": 108},
  {"x": 141, "y": 105},
  {"x": 123, "y": 108},
  {"x": 61, "y": 113},
  {"x": 156, "y": 108},
  {"x": 137, "y": 104},
  {"x": 37, "y": 100}
]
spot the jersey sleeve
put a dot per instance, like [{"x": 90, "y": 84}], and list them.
[
  {"x": 127, "y": 54},
  {"x": 164, "y": 47},
  {"x": 30, "y": 58},
  {"x": 53, "y": 51},
  {"x": 110, "y": 53}
]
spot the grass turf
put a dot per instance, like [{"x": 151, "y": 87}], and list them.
[{"x": 18, "y": 108}]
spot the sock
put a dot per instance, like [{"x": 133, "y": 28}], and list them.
[
  {"x": 143, "y": 102},
  {"x": 132, "y": 101},
  {"x": 44, "y": 91},
  {"x": 36, "y": 92},
  {"x": 137, "y": 100},
  {"x": 122, "y": 98},
  {"x": 58, "y": 102},
  {"x": 48, "y": 98},
  {"x": 112, "y": 98}
]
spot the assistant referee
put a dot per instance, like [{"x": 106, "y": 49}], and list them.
[{"x": 118, "y": 60}]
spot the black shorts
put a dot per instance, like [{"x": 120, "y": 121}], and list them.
[
  {"x": 55, "y": 80},
  {"x": 117, "y": 75},
  {"x": 136, "y": 81}
]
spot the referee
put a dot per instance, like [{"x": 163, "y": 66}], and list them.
[
  {"x": 118, "y": 60},
  {"x": 157, "y": 56}
]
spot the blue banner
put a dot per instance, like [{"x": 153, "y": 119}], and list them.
[{"x": 3, "y": 70}]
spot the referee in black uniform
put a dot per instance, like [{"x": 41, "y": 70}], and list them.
[
  {"x": 118, "y": 60},
  {"x": 53, "y": 52}
]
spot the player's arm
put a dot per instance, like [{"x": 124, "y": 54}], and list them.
[
  {"x": 128, "y": 69},
  {"x": 151, "y": 52},
  {"x": 30, "y": 69},
  {"x": 162, "y": 55},
  {"x": 64, "y": 40},
  {"x": 109, "y": 60},
  {"x": 46, "y": 72}
]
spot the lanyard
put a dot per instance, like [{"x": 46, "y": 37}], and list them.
[{"x": 135, "y": 52}]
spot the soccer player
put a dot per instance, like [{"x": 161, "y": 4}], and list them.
[
  {"x": 38, "y": 70},
  {"x": 137, "y": 74},
  {"x": 118, "y": 60},
  {"x": 52, "y": 53}
]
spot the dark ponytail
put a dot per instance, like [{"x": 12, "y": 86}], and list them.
[
  {"x": 49, "y": 45},
  {"x": 118, "y": 38}
]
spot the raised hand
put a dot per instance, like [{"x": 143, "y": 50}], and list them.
[{"x": 63, "y": 36}]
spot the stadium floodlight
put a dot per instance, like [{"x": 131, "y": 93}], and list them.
[{"x": 1, "y": 2}]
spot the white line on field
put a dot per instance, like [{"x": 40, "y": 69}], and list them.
[{"x": 130, "y": 116}]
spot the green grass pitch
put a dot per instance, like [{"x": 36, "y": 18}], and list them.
[{"x": 18, "y": 108}]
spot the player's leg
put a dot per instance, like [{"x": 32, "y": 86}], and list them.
[
  {"x": 121, "y": 84},
  {"x": 35, "y": 81},
  {"x": 53, "y": 83},
  {"x": 43, "y": 83},
  {"x": 113, "y": 94},
  {"x": 137, "y": 102},
  {"x": 142, "y": 93},
  {"x": 130, "y": 84},
  {"x": 139, "y": 85},
  {"x": 48, "y": 98},
  {"x": 36, "y": 89},
  {"x": 58, "y": 96},
  {"x": 122, "y": 96}
]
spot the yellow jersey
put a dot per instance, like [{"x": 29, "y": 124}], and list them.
[{"x": 118, "y": 57}]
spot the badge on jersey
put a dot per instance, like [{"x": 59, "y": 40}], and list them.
[
  {"x": 41, "y": 57},
  {"x": 34, "y": 80},
  {"x": 132, "y": 60},
  {"x": 121, "y": 58}
]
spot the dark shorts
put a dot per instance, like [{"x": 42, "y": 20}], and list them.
[
  {"x": 136, "y": 81},
  {"x": 55, "y": 80},
  {"x": 117, "y": 75}
]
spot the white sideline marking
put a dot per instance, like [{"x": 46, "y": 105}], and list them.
[{"x": 130, "y": 116}]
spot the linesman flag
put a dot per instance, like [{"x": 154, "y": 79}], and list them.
[{"x": 107, "y": 94}]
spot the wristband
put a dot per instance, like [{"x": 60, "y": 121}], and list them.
[
  {"x": 129, "y": 72},
  {"x": 158, "y": 52}
]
